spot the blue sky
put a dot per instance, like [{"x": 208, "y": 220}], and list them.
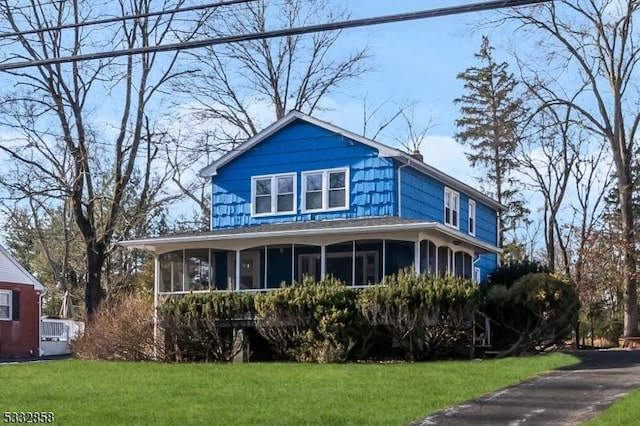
[{"x": 419, "y": 61}]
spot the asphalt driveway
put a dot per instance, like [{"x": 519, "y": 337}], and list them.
[{"x": 568, "y": 396}]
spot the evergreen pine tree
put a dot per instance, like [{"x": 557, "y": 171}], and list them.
[{"x": 490, "y": 118}]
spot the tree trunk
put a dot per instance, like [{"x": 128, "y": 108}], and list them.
[
  {"x": 630, "y": 299},
  {"x": 93, "y": 292}
]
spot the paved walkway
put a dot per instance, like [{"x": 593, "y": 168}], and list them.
[{"x": 565, "y": 397}]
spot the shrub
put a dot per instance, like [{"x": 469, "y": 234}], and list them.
[
  {"x": 534, "y": 314},
  {"x": 312, "y": 321},
  {"x": 205, "y": 326},
  {"x": 426, "y": 315},
  {"x": 508, "y": 274},
  {"x": 120, "y": 330}
]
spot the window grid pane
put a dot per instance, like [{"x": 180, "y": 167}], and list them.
[
  {"x": 337, "y": 198},
  {"x": 314, "y": 182},
  {"x": 263, "y": 204},
  {"x": 337, "y": 180},
  {"x": 263, "y": 187},
  {"x": 285, "y": 185},
  {"x": 313, "y": 200},
  {"x": 285, "y": 203}
]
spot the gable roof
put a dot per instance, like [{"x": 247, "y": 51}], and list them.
[
  {"x": 11, "y": 271},
  {"x": 383, "y": 151}
]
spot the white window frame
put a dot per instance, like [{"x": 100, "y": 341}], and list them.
[
  {"x": 325, "y": 190},
  {"x": 476, "y": 275},
  {"x": 274, "y": 195},
  {"x": 455, "y": 196},
  {"x": 10, "y": 298},
  {"x": 472, "y": 218}
]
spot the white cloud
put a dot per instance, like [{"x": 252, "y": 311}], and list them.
[{"x": 445, "y": 154}]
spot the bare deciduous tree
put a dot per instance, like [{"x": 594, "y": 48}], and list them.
[
  {"x": 238, "y": 88},
  {"x": 594, "y": 43},
  {"x": 61, "y": 148}
]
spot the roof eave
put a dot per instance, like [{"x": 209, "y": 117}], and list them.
[{"x": 151, "y": 243}]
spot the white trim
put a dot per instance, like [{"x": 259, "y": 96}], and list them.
[
  {"x": 29, "y": 279},
  {"x": 266, "y": 269},
  {"x": 9, "y": 294},
  {"x": 384, "y": 257},
  {"x": 323, "y": 261},
  {"x": 325, "y": 190},
  {"x": 455, "y": 198},
  {"x": 472, "y": 217},
  {"x": 237, "y": 259},
  {"x": 274, "y": 194},
  {"x": 476, "y": 275},
  {"x": 152, "y": 243},
  {"x": 353, "y": 263},
  {"x": 293, "y": 263},
  {"x": 156, "y": 305}
]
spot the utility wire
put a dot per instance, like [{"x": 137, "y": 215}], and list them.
[
  {"x": 124, "y": 18},
  {"x": 411, "y": 16}
]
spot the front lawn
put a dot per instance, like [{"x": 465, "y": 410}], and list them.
[{"x": 87, "y": 393}]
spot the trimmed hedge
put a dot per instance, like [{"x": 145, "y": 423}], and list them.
[
  {"x": 312, "y": 321},
  {"x": 202, "y": 327},
  {"x": 325, "y": 321},
  {"x": 425, "y": 315}
]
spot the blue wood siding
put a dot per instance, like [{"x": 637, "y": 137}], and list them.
[
  {"x": 297, "y": 148},
  {"x": 487, "y": 263},
  {"x": 422, "y": 197},
  {"x": 486, "y": 223}
]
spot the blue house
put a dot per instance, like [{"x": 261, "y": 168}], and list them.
[{"x": 306, "y": 198}]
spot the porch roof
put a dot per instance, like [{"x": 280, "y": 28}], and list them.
[{"x": 297, "y": 232}]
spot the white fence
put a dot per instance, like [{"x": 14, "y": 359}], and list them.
[{"x": 56, "y": 335}]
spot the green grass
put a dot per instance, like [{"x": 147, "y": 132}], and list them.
[
  {"x": 623, "y": 412},
  {"x": 86, "y": 393}
]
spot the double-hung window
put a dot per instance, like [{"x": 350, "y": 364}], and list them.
[
  {"x": 472, "y": 217},
  {"x": 325, "y": 190},
  {"x": 274, "y": 194},
  {"x": 451, "y": 208},
  {"x": 5, "y": 304}
]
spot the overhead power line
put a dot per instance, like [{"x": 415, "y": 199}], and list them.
[
  {"x": 195, "y": 44},
  {"x": 125, "y": 18}
]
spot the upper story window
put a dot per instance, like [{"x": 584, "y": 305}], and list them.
[
  {"x": 451, "y": 208},
  {"x": 275, "y": 194},
  {"x": 472, "y": 217},
  {"x": 325, "y": 189},
  {"x": 5, "y": 304}
]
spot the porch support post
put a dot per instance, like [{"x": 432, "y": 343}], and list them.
[
  {"x": 437, "y": 260},
  {"x": 266, "y": 248},
  {"x": 416, "y": 256},
  {"x": 293, "y": 263},
  {"x": 237, "y": 269},
  {"x": 323, "y": 261},
  {"x": 353, "y": 262},
  {"x": 156, "y": 296},
  {"x": 384, "y": 258}
]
